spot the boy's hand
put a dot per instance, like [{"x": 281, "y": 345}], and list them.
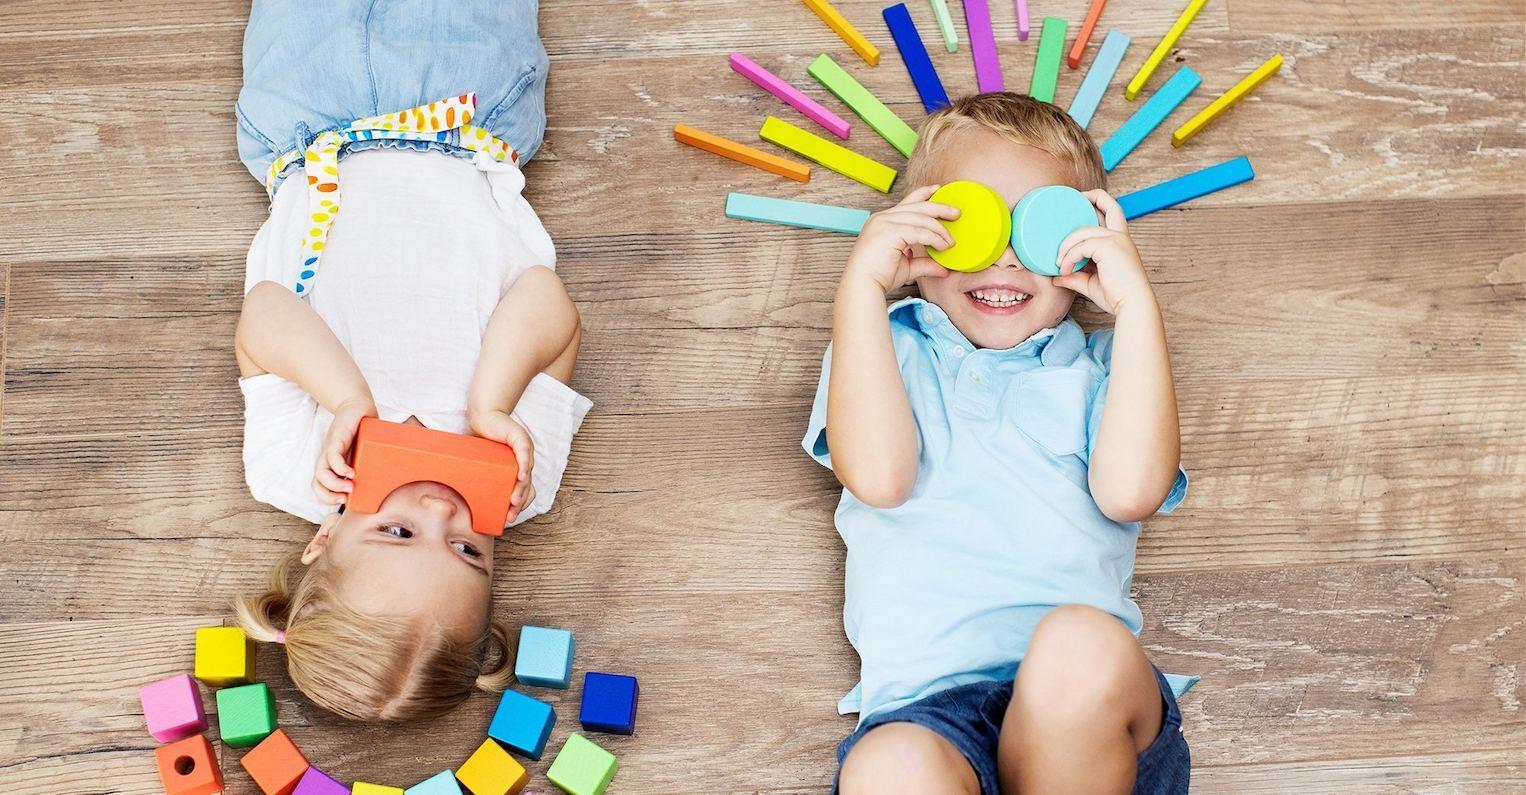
[
  {"x": 334, "y": 479},
  {"x": 890, "y": 249},
  {"x": 1118, "y": 277},
  {"x": 500, "y": 427}
]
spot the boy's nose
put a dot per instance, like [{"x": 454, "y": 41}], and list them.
[{"x": 1008, "y": 259}]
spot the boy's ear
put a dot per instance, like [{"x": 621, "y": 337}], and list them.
[{"x": 315, "y": 547}]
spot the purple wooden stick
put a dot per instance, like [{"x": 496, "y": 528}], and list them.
[{"x": 977, "y": 18}]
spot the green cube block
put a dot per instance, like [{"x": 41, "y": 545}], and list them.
[
  {"x": 245, "y": 715},
  {"x": 582, "y": 768}
]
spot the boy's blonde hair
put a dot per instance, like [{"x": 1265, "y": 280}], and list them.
[
  {"x": 363, "y": 666},
  {"x": 1018, "y": 118}
]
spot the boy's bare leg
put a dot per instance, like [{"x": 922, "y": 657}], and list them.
[
  {"x": 1084, "y": 705},
  {"x": 897, "y": 758}
]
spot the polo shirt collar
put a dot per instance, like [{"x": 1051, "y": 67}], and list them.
[{"x": 1059, "y": 345}]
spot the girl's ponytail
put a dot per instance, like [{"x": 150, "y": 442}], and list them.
[
  {"x": 264, "y": 618},
  {"x": 495, "y": 679}
]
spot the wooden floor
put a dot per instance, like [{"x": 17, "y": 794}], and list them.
[{"x": 1349, "y": 334}]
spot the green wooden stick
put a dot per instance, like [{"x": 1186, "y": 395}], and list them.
[
  {"x": 1046, "y": 65},
  {"x": 945, "y": 25},
  {"x": 870, "y": 109}
]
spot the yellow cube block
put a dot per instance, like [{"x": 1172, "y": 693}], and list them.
[
  {"x": 362, "y": 788},
  {"x": 224, "y": 656},
  {"x": 491, "y": 771}
]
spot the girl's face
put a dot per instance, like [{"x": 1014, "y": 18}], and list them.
[{"x": 417, "y": 555}]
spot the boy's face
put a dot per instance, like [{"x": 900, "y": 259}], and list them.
[{"x": 1006, "y": 303}]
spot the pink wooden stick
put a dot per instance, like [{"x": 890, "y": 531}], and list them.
[
  {"x": 772, "y": 83},
  {"x": 977, "y": 18},
  {"x": 1022, "y": 20}
]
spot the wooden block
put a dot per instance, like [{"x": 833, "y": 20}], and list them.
[
  {"x": 981, "y": 232},
  {"x": 188, "y": 767},
  {"x": 840, "y": 25},
  {"x": 866, "y": 105},
  {"x": 491, "y": 771},
  {"x": 172, "y": 708},
  {"x": 245, "y": 715},
  {"x": 1163, "y": 49},
  {"x": 609, "y": 703},
  {"x": 1148, "y": 117},
  {"x": 582, "y": 767},
  {"x": 1078, "y": 49},
  {"x": 275, "y": 764},
  {"x": 1022, "y": 20},
  {"x": 1084, "y": 105},
  {"x": 1217, "y": 107},
  {"x": 224, "y": 656},
  {"x": 522, "y": 724},
  {"x": 1042, "y": 220},
  {"x": 792, "y": 96},
  {"x": 977, "y": 20},
  {"x": 819, "y": 150},
  {"x": 544, "y": 657},
  {"x": 1186, "y": 187},
  {"x": 768, "y": 210},
  {"x": 742, "y": 153},
  {"x": 1046, "y": 62},
  {"x": 442, "y": 783},
  {"x": 945, "y": 25},
  {"x": 923, "y": 76},
  {"x": 317, "y": 782},
  {"x": 363, "y": 788},
  {"x": 389, "y": 454}
]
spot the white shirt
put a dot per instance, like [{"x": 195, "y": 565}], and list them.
[{"x": 422, "y": 250}]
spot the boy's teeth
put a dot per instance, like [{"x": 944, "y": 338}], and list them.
[{"x": 999, "y": 297}]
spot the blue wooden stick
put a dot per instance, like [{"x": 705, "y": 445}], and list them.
[
  {"x": 914, "y": 55},
  {"x": 1187, "y": 187},
  {"x": 768, "y": 210},
  {"x": 1149, "y": 116},
  {"x": 1089, "y": 95}
]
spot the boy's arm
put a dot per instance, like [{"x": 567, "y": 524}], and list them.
[
  {"x": 1138, "y": 447},
  {"x": 870, "y": 428}
]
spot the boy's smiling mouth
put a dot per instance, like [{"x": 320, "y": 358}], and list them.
[{"x": 998, "y": 300}]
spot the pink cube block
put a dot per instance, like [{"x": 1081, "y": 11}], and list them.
[{"x": 172, "y": 708}]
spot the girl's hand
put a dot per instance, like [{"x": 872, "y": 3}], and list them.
[
  {"x": 890, "y": 251},
  {"x": 1117, "y": 276},
  {"x": 335, "y": 477},
  {"x": 500, "y": 427}
]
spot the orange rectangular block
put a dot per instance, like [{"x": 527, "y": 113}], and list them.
[
  {"x": 389, "y": 454},
  {"x": 187, "y": 767},
  {"x": 275, "y": 764},
  {"x": 742, "y": 153}
]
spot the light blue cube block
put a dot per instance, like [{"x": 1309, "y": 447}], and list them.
[
  {"x": 522, "y": 724},
  {"x": 545, "y": 657},
  {"x": 442, "y": 783}
]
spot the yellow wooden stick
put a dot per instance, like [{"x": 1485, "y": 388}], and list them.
[
  {"x": 1163, "y": 48},
  {"x": 844, "y": 161},
  {"x": 1206, "y": 116},
  {"x": 842, "y": 27}
]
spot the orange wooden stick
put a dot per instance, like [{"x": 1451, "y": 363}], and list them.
[
  {"x": 1073, "y": 60},
  {"x": 742, "y": 153},
  {"x": 389, "y": 454}
]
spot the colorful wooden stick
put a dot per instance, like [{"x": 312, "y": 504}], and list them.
[
  {"x": 1073, "y": 60},
  {"x": 742, "y": 153},
  {"x": 1084, "y": 105},
  {"x": 840, "y": 25},
  {"x": 1022, "y": 20},
  {"x": 819, "y": 150},
  {"x": 1163, "y": 48},
  {"x": 918, "y": 65},
  {"x": 1149, "y": 116},
  {"x": 1046, "y": 64},
  {"x": 870, "y": 109},
  {"x": 792, "y": 96},
  {"x": 1217, "y": 107},
  {"x": 945, "y": 25},
  {"x": 768, "y": 210},
  {"x": 977, "y": 19},
  {"x": 1185, "y": 188}
]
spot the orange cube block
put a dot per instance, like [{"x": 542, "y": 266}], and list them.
[
  {"x": 187, "y": 767},
  {"x": 389, "y": 454},
  {"x": 275, "y": 764}
]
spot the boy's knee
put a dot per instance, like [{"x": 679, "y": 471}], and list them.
[
  {"x": 905, "y": 758},
  {"x": 1080, "y": 661}
]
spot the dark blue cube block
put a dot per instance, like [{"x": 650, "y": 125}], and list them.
[{"x": 609, "y": 703}]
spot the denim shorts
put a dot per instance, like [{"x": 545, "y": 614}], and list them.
[
  {"x": 313, "y": 67},
  {"x": 970, "y": 716}
]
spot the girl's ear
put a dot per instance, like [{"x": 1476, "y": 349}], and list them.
[{"x": 315, "y": 547}]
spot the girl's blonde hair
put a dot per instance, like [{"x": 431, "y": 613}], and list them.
[
  {"x": 1018, "y": 118},
  {"x": 363, "y": 666}
]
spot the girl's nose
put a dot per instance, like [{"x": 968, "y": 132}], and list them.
[{"x": 441, "y": 505}]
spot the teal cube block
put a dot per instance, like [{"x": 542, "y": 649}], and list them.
[
  {"x": 245, "y": 714},
  {"x": 582, "y": 768},
  {"x": 442, "y": 783},
  {"x": 545, "y": 657},
  {"x": 522, "y": 724}
]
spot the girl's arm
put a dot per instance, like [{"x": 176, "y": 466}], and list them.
[
  {"x": 1138, "y": 447},
  {"x": 870, "y": 428}
]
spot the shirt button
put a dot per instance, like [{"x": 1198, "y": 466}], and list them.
[
  {"x": 958, "y": 351},
  {"x": 975, "y": 377}
]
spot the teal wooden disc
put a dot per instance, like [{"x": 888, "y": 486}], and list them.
[{"x": 1042, "y": 220}]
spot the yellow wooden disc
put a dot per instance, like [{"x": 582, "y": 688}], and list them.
[{"x": 982, "y": 230}]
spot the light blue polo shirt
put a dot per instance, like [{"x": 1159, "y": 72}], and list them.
[{"x": 946, "y": 589}]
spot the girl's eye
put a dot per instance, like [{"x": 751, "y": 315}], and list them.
[
  {"x": 396, "y": 531},
  {"x": 467, "y": 549}
]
